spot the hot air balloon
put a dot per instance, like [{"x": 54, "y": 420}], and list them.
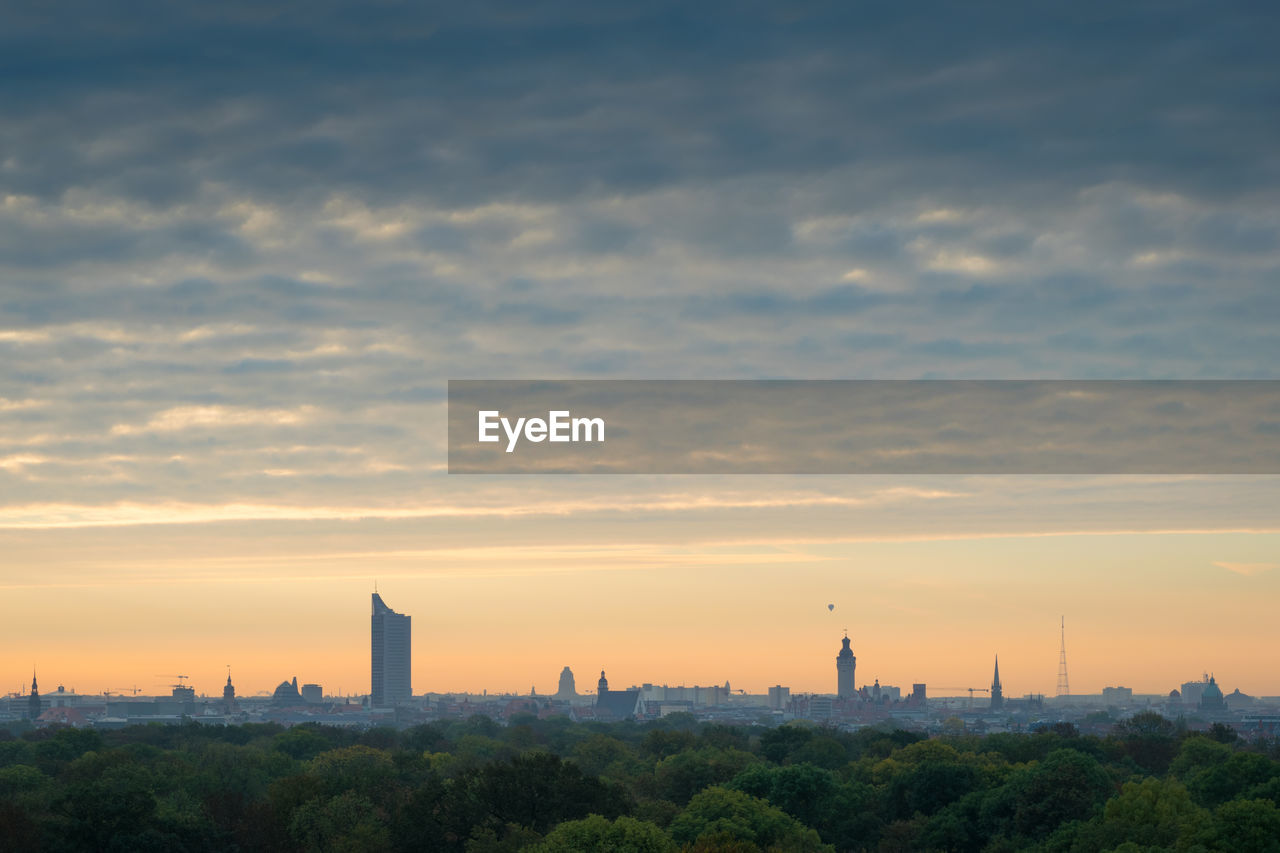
[{"x": 830, "y": 607}]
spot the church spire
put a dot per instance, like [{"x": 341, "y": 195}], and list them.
[
  {"x": 33, "y": 701},
  {"x": 997, "y": 692},
  {"x": 228, "y": 694}
]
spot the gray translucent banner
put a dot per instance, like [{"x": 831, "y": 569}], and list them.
[{"x": 863, "y": 427}]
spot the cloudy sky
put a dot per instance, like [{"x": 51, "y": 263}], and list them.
[{"x": 243, "y": 247}]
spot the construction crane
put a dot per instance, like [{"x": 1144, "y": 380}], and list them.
[
  {"x": 972, "y": 690},
  {"x": 134, "y": 690},
  {"x": 181, "y": 679}
]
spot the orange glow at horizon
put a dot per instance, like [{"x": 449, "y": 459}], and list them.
[{"x": 1143, "y": 611}]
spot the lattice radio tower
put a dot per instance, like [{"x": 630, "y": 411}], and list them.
[{"x": 1064, "y": 689}]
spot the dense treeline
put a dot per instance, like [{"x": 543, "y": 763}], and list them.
[{"x": 550, "y": 785}]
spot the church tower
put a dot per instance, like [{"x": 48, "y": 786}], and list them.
[
  {"x": 845, "y": 665},
  {"x": 228, "y": 695},
  {"x": 33, "y": 701},
  {"x": 997, "y": 693},
  {"x": 602, "y": 686}
]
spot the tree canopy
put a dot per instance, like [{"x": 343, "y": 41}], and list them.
[{"x": 479, "y": 786}]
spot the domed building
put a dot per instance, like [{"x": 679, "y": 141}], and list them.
[
  {"x": 1211, "y": 697},
  {"x": 1237, "y": 700}
]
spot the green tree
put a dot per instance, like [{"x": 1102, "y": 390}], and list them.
[
  {"x": 879, "y": 743},
  {"x": 1149, "y": 739},
  {"x": 114, "y": 805},
  {"x": 426, "y": 738},
  {"x": 473, "y": 750},
  {"x": 682, "y": 775},
  {"x": 347, "y": 822},
  {"x": 66, "y": 744},
  {"x": 301, "y": 743},
  {"x": 512, "y": 838},
  {"x": 778, "y": 744},
  {"x": 679, "y": 721},
  {"x": 21, "y": 779},
  {"x": 1223, "y": 733},
  {"x": 232, "y": 778},
  {"x": 721, "y": 813},
  {"x": 361, "y": 770},
  {"x": 1197, "y": 754},
  {"x": 661, "y": 743},
  {"x": 801, "y": 790},
  {"x": 19, "y": 829},
  {"x": 17, "y": 752},
  {"x": 1230, "y": 779},
  {"x": 1246, "y": 825},
  {"x": 420, "y": 821},
  {"x": 724, "y": 737},
  {"x": 1066, "y": 786},
  {"x": 595, "y": 834},
  {"x": 959, "y": 827},
  {"x": 599, "y": 752},
  {"x": 1153, "y": 813},
  {"x": 924, "y": 777},
  {"x": 536, "y": 790},
  {"x": 822, "y": 750},
  {"x": 481, "y": 724},
  {"x": 844, "y": 814}
]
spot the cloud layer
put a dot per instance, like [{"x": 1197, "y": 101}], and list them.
[{"x": 241, "y": 251}]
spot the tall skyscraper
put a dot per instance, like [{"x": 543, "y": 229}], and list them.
[
  {"x": 997, "y": 692},
  {"x": 391, "y": 646},
  {"x": 845, "y": 665}
]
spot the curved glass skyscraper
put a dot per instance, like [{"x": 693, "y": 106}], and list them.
[{"x": 391, "y": 644}]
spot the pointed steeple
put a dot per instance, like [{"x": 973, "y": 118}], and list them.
[
  {"x": 228, "y": 694},
  {"x": 997, "y": 692},
  {"x": 33, "y": 701}
]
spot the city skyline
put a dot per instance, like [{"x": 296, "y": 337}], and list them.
[{"x": 391, "y": 672}]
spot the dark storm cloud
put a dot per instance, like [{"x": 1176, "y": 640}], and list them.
[{"x": 551, "y": 101}]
